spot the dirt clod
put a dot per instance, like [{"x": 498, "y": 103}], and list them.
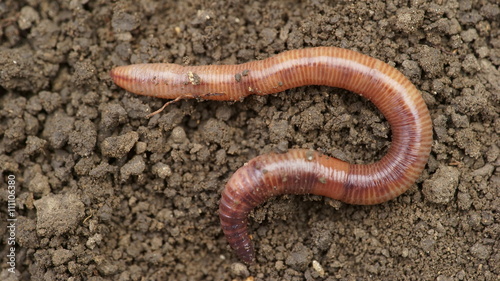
[
  {"x": 58, "y": 214},
  {"x": 441, "y": 187},
  {"x": 120, "y": 145}
]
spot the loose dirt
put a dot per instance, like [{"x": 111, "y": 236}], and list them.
[{"x": 104, "y": 193}]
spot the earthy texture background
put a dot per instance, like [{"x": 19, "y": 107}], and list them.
[{"x": 106, "y": 194}]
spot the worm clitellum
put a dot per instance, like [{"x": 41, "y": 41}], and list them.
[{"x": 301, "y": 171}]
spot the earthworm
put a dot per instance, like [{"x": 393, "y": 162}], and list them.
[{"x": 301, "y": 171}]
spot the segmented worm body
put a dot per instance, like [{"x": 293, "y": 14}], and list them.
[{"x": 301, "y": 171}]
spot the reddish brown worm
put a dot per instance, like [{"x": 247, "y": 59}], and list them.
[{"x": 301, "y": 171}]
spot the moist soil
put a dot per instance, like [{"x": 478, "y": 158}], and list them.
[{"x": 103, "y": 193}]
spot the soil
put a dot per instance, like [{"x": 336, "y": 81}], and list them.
[{"x": 103, "y": 193}]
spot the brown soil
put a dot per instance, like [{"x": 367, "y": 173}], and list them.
[{"x": 106, "y": 194}]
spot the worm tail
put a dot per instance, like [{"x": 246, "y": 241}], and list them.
[{"x": 299, "y": 171}]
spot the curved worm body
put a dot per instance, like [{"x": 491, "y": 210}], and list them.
[{"x": 301, "y": 171}]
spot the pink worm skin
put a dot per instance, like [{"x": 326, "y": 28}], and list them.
[{"x": 301, "y": 171}]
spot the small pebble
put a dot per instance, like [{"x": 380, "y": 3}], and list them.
[
  {"x": 178, "y": 135},
  {"x": 27, "y": 17},
  {"x": 134, "y": 167},
  {"x": 140, "y": 147},
  {"x": 162, "y": 170},
  {"x": 318, "y": 268},
  {"x": 94, "y": 240},
  {"x": 239, "y": 269}
]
